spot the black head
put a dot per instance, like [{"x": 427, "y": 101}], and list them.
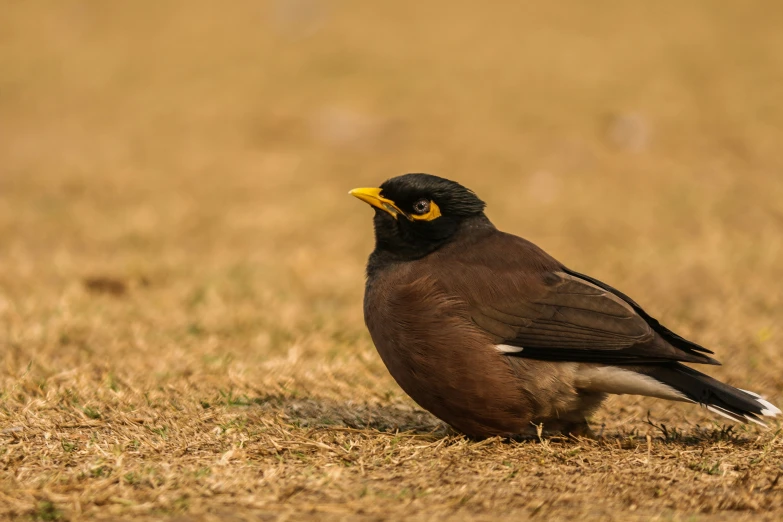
[{"x": 417, "y": 213}]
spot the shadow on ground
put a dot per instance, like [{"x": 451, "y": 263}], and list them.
[
  {"x": 325, "y": 413},
  {"x": 393, "y": 418}
]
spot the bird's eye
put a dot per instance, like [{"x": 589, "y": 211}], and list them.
[{"x": 421, "y": 207}]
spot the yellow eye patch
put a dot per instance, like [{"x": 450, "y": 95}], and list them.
[{"x": 433, "y": 213}]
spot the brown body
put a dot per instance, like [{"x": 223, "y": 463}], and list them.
[
  {"x": 450, "y": 366},
  {"x": 494, "y": 336}
]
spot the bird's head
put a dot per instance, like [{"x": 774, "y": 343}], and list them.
[{"x": 417, "y": 213}]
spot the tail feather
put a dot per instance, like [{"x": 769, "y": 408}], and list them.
[
  {"x": 770, "y": 410},
  {"x": 733, "y": 403}
]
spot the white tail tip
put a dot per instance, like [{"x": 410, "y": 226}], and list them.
[{"x": 768, "y": 409}]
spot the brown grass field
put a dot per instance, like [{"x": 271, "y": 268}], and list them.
[{"x": 181, "y": 268}]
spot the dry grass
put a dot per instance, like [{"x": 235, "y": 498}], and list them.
[{"x": 181, "y": 269}]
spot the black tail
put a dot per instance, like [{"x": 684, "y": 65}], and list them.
[{"x": 720, "y": 398}]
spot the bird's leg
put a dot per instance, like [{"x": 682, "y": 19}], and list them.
[
  {"x": 573, "y": 427},
  {"x": 578, "y": 429}
]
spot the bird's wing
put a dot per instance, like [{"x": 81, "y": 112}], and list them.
[
  {"x": 669, "y": 336},
  {"x": 539, "y": 310}
]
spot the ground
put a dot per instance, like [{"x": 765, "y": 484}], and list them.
[{"x": 181, "y": 267}]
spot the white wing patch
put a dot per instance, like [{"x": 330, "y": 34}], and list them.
[{"x": 507, "y": 348}]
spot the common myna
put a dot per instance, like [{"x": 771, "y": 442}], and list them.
[{"x": 492, "y": 335}]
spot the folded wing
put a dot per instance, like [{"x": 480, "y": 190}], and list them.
[{"x": 534, "y": 307}]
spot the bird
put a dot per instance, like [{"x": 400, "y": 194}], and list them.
[{"x": 495, "y": 337}]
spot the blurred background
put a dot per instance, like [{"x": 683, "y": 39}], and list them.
[
  {"x": 182, "y": 268},
  {"x": 174, "y": 175}
]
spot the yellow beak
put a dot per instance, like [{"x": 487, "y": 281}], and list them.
[{"x": 372, "y": 196}]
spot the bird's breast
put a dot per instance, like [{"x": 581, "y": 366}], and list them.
[{"x": 439, "y": 357}]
